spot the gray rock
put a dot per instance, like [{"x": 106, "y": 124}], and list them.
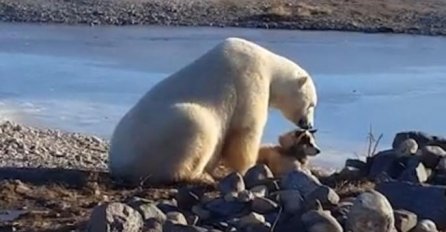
[
  {"x": 301, "y": 181},
  {"x": 352, "y": 173},
  {"x": 325, "y": 195},
  {"x": 415, "y": 171},
  {"x": 290, "y": 224},
  {"x": 115, "y": 217},
  {"x": 425, "y": 226},
  {"x": 431, "y": 156},
  {"x": 371, "y": 212},
  {"x": 171, "y": 227},
  {"x": 242, "y": 196},
  {"x": 340, "y": 212},
  {"x": 263, "y": 205},
  {"x": 258, "y": 228},
  {"x": 167, "y": 206},
  {"x": 222, "y": 225},
  {"x": 220, "y": 207},
  {"x": 231, "y": 183},
  {"x": 354, "y": 169},
  {"x": 355, "y": 163},
  {"x": 421, "y": 138},
  {"x": 259, "y": 191},
  {"x": 320, "y": 221},
  {"x": 245, "y": 196},
  {"x": 438, "y": 179},
  {"x": 231, "y": 196},
  {"x": 272, "y": 185},
  {"x": 147, "y": 209},
  {"x": 407, "y": 147},
  {"x": 201, "y": 212},
  {"x": 291, "y": 200},
  {"x": 251, "y": 219},
  {"x": 385, "y": 163},
  {"x": 192, "y": 219},
  {"x": 441, "y": 166},
  {"x": 188, "y": 197},
  {"x": 404, "y": 220},
  {"x": 152, "y": 225},
  {"x": 176, "y": 218},
  {"x": 257, "y": 175},
  {"x": 271, "y": 217},
  {"x": 426, "y": 201}
]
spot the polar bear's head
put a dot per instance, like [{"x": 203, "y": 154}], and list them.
[{"x": 294, "y": 94}]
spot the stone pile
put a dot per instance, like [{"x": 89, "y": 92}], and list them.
[
  {"x": 408, "y": 197},
  {"x": 415, "y": 157},
  {"x": 412, "y": 175}
]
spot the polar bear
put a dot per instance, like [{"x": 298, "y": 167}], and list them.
[
  {"x": 212, "y": 110},
  {"x": 292, "y": 152}
]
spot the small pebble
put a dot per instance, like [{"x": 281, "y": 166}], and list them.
[{"x": 177, "y": 218}]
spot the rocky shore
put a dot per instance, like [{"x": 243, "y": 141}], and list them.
[
  {"x": 57, "y": 181},
  {"x": 387, "y": 16}
]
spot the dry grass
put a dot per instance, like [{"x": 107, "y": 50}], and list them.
[{"x": 373, "y": 142}]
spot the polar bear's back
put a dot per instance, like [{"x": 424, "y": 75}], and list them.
[{"x": 225, "y": 61}]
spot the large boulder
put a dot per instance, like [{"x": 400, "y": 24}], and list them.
[
  {"x": 371, "y": 212},
  {"x": 325, "y": 195},
  {"x": 257, "y": 175},
  {"x": 115, "y": 217},
  {"x": 291, "y": 200},
  {"x": 415, "y": 171},
  {"x": 421, "y": 138},
  {"x": 427, "y": 201},
  {"x": 320, "y": 221},
  {"x": 386, "y": 163},
  {"x": 431, "y": 156},
  {"x": 425, "y": 226},
  {"x": 407, "y": 147},
  {"x": 301, "y": 181}
]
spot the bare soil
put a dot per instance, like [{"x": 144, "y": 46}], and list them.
[{"x": 53, "y": 199}]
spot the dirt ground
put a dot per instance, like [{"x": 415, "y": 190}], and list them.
[{"x": 61, "y": 200}]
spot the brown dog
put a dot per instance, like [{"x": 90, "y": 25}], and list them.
[{"x": 292, "y": 152}]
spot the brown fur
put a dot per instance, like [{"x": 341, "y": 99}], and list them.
[{"x": 290, "y": 154}]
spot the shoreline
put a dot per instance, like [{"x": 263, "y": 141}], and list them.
[{"x": 394, "y": 17}]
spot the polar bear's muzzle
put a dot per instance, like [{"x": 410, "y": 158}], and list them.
[{"x": 303, "y": 123}]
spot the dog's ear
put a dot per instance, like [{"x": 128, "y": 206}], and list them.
[
  {"x": 312, "y": 131},
  {"x": 299, "y": 131}
]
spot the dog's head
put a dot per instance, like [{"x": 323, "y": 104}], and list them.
[{"x": 301, "y": 142}]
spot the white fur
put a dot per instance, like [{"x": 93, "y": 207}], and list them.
[{"x": 214, "y": 108}]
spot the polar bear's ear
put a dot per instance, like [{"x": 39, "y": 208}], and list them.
[{"x": 302, "y": 80}]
